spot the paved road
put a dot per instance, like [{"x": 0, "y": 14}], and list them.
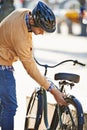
[{"x": 51, "y": 49}]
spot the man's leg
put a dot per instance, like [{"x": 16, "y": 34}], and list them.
[{"x": 8, "y": 100}]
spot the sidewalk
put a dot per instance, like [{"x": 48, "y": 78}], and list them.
[{"x": 51, "y": 49}]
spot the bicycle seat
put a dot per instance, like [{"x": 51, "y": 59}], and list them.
[{"x": 67, "y": 76}]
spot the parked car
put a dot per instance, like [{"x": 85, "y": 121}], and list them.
[
  {"x": 67, "y": 12},
  {"x": 66, "y": 8},
  {"x": 73, "y": 15}
]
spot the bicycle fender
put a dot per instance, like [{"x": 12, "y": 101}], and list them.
[{"x": 79, "y": 109}]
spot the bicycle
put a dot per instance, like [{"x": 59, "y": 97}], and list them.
[{"x": 69, "y": 117}]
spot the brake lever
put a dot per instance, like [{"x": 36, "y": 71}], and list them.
[{"x": 76, "y": 62}]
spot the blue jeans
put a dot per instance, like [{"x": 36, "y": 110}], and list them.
[{"x": 8, "y": 99}]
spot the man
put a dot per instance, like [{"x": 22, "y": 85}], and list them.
[{"x": 16, "y": 42}]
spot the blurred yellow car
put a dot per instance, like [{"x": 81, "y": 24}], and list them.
[{"x": 72, "y": 15}]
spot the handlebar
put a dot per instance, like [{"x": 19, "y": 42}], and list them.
[
  {"x": 53, "y": 66},
  {"x": 77, "y": 62}
]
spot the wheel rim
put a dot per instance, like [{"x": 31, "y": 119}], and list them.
[{"x": 67, "y": 124}]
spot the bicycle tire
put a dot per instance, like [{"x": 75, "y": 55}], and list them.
[
  {"x": 34, "y": 111},
  {"x": 65, "y": 115}
]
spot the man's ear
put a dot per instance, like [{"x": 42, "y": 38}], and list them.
[{"x": 31, "y": 21}]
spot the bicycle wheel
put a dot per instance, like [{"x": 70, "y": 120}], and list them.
[
  {"x": 34, "y": 111},
  {"x": 68, "y": 117}
]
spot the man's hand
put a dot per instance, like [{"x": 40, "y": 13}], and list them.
[{"x": 59, "y": 97}]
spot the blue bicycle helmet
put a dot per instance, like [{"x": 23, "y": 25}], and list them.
[{"x": 44, "y": 17}]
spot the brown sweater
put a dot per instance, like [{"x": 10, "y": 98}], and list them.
[{"x": 16, "y": 43}]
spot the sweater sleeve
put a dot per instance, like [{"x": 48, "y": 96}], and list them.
[{"x": 24, "y": 50}]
